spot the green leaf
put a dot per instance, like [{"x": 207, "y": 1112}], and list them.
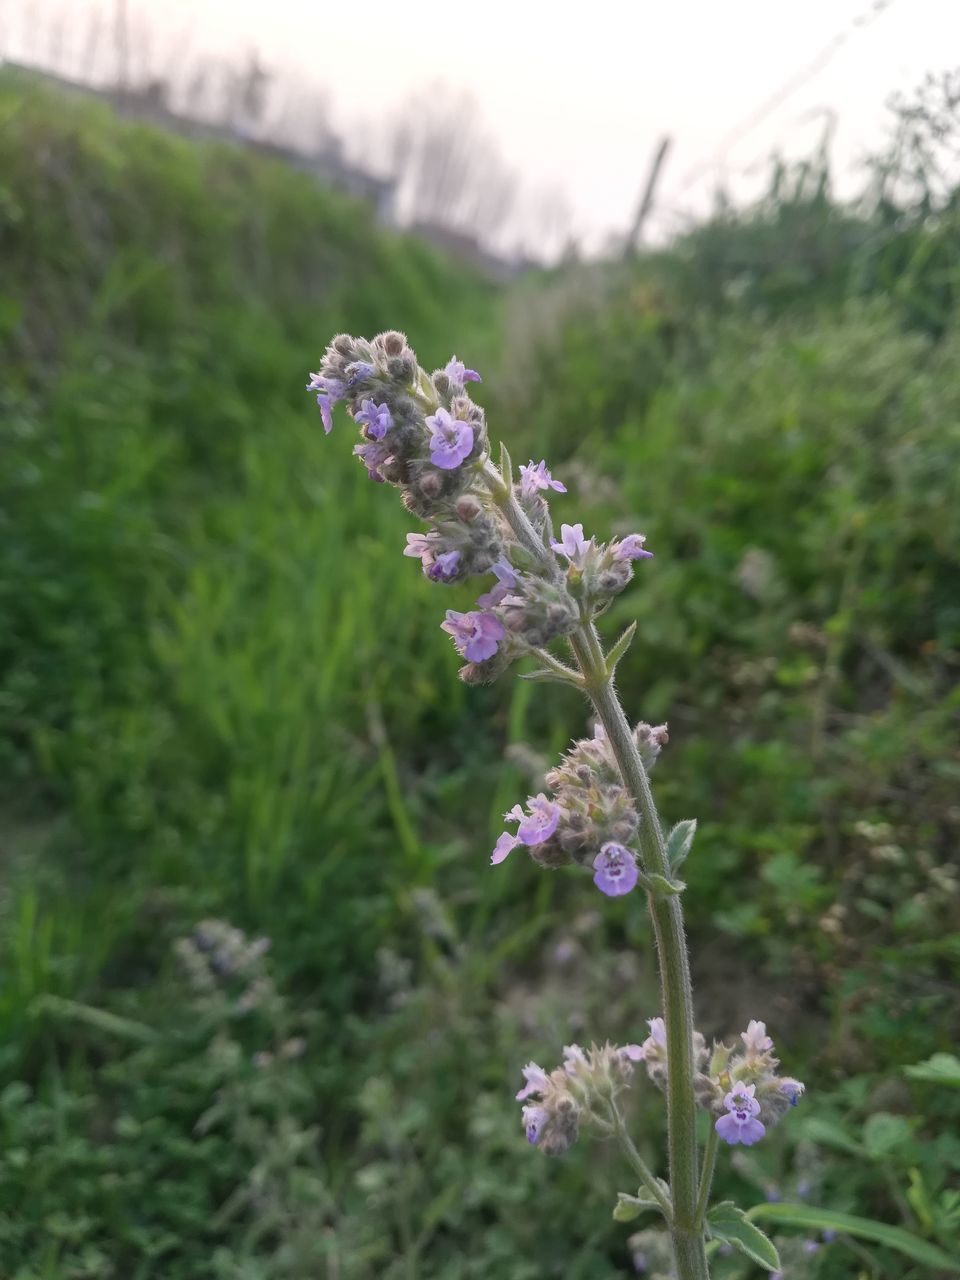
[
  {"x": 804, "y": 1215},
  {"x": 884, "y": 1133},
  {"x": 942, "y": 1068},
  {"x": 629, "y": 1207},
  {"x": 620, "y": 648},
  {"x": 659, "y": 884},
  {"x": 543, "y": 674},
  {"x": 506, "y": 466},
  {"x": 731, "y": 1225},
  {"x": 679, "y": 842},
  {"x": 828, "y": 1134}
]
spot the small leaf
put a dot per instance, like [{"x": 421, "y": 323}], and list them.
[
  {"x": 543, "y": 674},
  {"x": 942, "y": 1068},
  {"x": 679, "y": 842},
  {"x": 629, "y": 1207},
  {"x": 884, "y": 1133},
  {"x": 730, "y": 1224},
  {"x": 506, "y": 466},
  {"x": 660, "y": 884},
  {"x": 620, "y": 648},
  {"x": 828, "y": 1133},
  {"x": 806, "y": 1216}
]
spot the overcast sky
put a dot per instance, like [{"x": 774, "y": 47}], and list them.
[{"x": 578, "y": 94}]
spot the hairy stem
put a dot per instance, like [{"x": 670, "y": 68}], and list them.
[
  {"x": 706, "y": 1174},
  {"x": 667, "y": 916},
  {"x": 665, "y": 912},
  {"x": 638, "y": 1164}
]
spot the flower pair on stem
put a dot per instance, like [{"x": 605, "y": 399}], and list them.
[{"x": 423, "y": 434}]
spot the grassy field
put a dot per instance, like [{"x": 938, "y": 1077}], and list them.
[{"x": 226, "y": 697}]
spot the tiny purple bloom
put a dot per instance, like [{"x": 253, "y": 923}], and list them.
[
  {"x": 536, "y": 1081},
  {"x": 534, "y": 1119},
  {"x": 615, "y": 870},
  {"x": 377, "y": 418},
  {"x": 574, "y": 1059},
  {"x": 458, "y": 373},
  {"x": 741, "y": 1123},
  {"x": 451, "y": 441},
  {"x": 444, "y": 566},
  {"x": 506, "y": 843},
  {"x": 476, "y": 635},
  {"x": 535, "y": 476},
  {"x": 572, "y": 544},
  {"x": 810, "y": 1247},
  {"x": 359, "y": 372},
  {"x": 632, "y": 1052},
  {"x": 419, "y": 545},
  {"x": 373, "y": 456},
  {"x": 506, "y": 582},
  {"x": 331, "y": 390},
  {"x": 755, "y": 1037},
  {"x": 540, "y": 821},
  {"x": 656, "y": 1041},
  {"x": 829, "y": 1235},
  {"x": 792, "y": 1090},
  {"x": 631, "y": 548}
]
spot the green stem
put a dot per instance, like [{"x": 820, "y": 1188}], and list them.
[
  {"x": 667, "y": 916},
  {"x": 706, "y": 1174},
  {"x": 666, "y": 912},
  {"x": 637, "y": 1162}
]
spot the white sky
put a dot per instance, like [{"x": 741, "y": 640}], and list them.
[{"x": 578, "y": 94}]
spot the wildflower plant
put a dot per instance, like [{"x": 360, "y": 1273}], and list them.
[{"x": 422, "y": 433}]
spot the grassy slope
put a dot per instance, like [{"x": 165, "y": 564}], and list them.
[{"x": 225, "y": 693}]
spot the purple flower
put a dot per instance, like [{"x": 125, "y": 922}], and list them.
[
  {"x": 444, "y": 567},
  {"x": 810, "y": 1247},
  {"x": 539, "y": 822},
  {"x": 505, "y": 845},
  {"x": 359, "y": 372},
  {"x": 450, "y": 440},
  {"x": 377, "y": 418},
  {"x": 756, "y": 1039},
  {"x": 740, "y": 1124},
  {"x": 535, "y": 476},
  {"x": 373, "y": 456},
  {"x": 792, "y": 1090},
  {"x": 632, "y": 1052},
  {"x": 331, "y": 390},
  {"x": 438, "y": 566},
  {"x": 829, "y": 1235},
  {"x": 536, "y": 1081},
  {"x": 615, "y": 870},
  {"x": 534, "y": 1119},
  {"x": 506, "y": 582},
  {"x": 656, "y": 1042},
  {"x": 631, "y": 548},
  {"x": 458, "y": 373},
  {"x": 572, "y": 544},
  {"x": 476, "y": 635},
  {"x": 574, "y": 1060}
]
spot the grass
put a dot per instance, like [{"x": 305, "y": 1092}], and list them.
[{"x": 225, "y": 694}]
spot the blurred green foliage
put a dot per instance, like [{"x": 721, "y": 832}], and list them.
[{"x": 223, "y": 692}]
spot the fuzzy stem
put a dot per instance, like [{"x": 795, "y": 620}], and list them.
[
  {"x": 638, "y": 1164},
  {"x": 666, "y": 912},
  {"x": 706, "y": 1173},
  {"x": 667, "y": 916}
]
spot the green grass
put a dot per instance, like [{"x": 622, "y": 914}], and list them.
[{"x": 225, "y": 693}]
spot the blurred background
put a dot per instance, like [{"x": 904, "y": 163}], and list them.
[{"x": 263, "y": 1003}]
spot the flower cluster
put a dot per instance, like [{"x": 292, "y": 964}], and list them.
[
  {"x": 579, "y": 1091},
  {"x": 739, "y": 1084},
  {"x": 422, "y": 433},
  {"x": 591, "y": 819},
  {"x": 220, "y": 961}
]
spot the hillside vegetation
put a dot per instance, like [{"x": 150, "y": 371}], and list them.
[{"x": 227, "y": 705}]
